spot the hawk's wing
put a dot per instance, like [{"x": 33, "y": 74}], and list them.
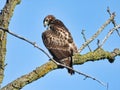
[
  {"x": 56, "y": 46},
  {"x": 58, "y": 41},
  {"x": 61, "y": 29}
]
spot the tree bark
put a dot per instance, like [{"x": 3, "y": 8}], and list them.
[
  {"x": 5, "y": 16},
  {"x": 41, "y": 71}
]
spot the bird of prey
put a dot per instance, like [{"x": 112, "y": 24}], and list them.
[{"x": 58, "y": 41}]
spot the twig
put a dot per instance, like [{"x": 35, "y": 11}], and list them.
[
  {"x": 98, "y": 43},
  {"x": 26, "y": 40},
  {"x": 35, "y": 45},
  {"x": 108, "y": 35},
  {"x": 113, "y": 21},
  {"x": 86, "y": 75},
  {"x": 97, "y": 33},
  {"x": 85, "y": 39}
]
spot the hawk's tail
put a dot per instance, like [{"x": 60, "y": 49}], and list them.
[
  {"x": 71, "y": 71},
  {"x": 68, "y": 62}
]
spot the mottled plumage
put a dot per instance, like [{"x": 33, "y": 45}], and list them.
[{"x": 59, "y": 41}]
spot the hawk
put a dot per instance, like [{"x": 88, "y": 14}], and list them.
[{"x": 59, "y": 41}]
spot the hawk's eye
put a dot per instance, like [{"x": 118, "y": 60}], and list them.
[{"x": 46, "y": 20}]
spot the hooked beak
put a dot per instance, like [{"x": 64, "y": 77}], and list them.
[{"x": 45, "y": 24}]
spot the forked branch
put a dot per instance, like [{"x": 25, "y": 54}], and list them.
[
  {"x": 108, "y": 35},
  {"x": 97, "y": 33},
  {"x": 85, "y": 39},
  {"x": 113, "y": 21}
]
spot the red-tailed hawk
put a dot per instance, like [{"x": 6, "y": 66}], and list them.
[{"x": 59, "y": 41}]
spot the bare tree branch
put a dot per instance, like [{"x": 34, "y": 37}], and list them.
[
  {"x": 26, "y": 40},
  {"x": 85, "y": 39},
  {"x": 97, "y": 33},
  {"x": 113, "y": 21},
  {"x": 41, "y": 71},
  {"x": 5, "y": 16},
  {"x": 109, "y": 33}
]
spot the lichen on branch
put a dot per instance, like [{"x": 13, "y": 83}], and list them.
[
  {"x": 98, "y": 54},
  {"x": 5, "y": 16},
  {"x": 41, "y": 71}
]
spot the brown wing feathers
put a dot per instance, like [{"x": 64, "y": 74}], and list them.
[{"x": 59, "y": 42}]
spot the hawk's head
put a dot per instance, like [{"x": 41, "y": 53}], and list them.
[{"x": 48, "y": 20}]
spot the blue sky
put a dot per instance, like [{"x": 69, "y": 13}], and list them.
[{"x": 27, "y": 21}]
